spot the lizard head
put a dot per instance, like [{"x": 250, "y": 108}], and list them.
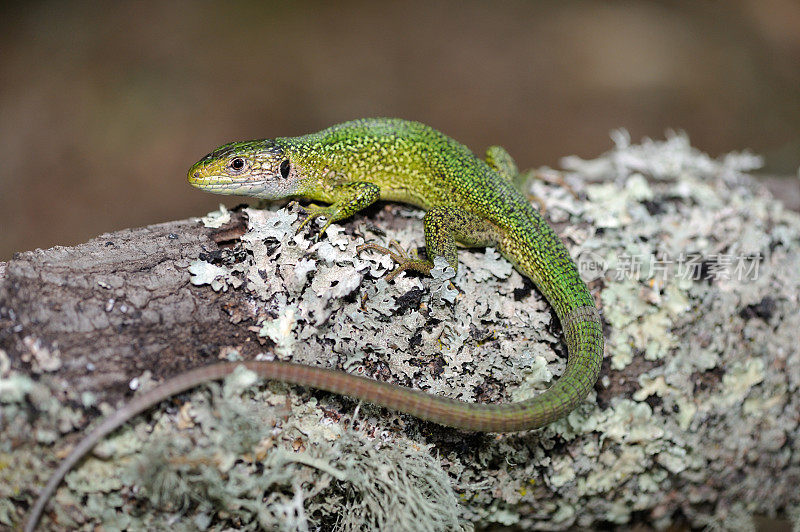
[{"x": 256, "y": 168}]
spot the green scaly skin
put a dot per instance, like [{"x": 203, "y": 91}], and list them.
[{"x": 470, "y": 201}]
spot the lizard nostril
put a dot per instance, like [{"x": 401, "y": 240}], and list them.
[{"x": 197, "y": 174}]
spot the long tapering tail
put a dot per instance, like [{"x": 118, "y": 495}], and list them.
[{"x": 582, "y": 329}]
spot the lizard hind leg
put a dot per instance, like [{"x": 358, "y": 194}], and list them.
[
  {"x": 444, "y": 226},
  {"x": 403, "y": 260},
  {"x": 501, "y": 162}
]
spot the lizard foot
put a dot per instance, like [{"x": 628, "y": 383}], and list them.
[
  {"x": 403, "y": 260},
  {"x": 314, "y": 211}
]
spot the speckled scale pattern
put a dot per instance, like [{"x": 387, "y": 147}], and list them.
[
  {"x": 469, "y": 201},
  {"x": 350, "y": 166}
]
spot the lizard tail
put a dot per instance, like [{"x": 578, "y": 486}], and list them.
[{"x": 582, "y": 330}]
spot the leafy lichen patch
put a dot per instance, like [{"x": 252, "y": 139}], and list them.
[{"x": 696, "y": 271}]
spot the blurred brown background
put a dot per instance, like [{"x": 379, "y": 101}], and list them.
[{"x": 103, "y": 107}]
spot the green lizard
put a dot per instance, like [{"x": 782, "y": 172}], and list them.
[{"x": 468, "y": 201}]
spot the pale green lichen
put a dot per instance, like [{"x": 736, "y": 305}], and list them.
[
  {"x": 376, "y": 486},
  {"x": 738, "y": 380},
  {"x": 536, "y": 377},
  {"x": 218, "y": 218},
  {"x": 281, "y": 331},
  {"x": 698, "y": 411},
  {"x": 14, "y": 388},
  {"x": 218, "y": 277}
]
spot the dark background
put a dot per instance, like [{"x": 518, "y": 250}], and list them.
[{"x": 104, "y": 106}]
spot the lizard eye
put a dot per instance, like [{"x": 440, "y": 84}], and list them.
[
  {"x": 237, "y": 164},
  {"x": 284, "y": 168}
]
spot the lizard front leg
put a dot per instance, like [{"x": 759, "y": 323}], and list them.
[
  {"x": 444, "y": 226},
  {"x": 348, "y": 200}
]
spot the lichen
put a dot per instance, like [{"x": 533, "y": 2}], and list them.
[
  {"x": 693, "y": 422},
  {"x": 218, "y": 277},
  {"x": 240, "y": 451},
  {"x": 217, "y": 219}
]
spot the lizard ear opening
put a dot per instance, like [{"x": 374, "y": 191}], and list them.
[{"x": 284, "y": 168}]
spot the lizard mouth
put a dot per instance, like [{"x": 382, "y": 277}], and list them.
[{"x": 215, "y": 185}]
